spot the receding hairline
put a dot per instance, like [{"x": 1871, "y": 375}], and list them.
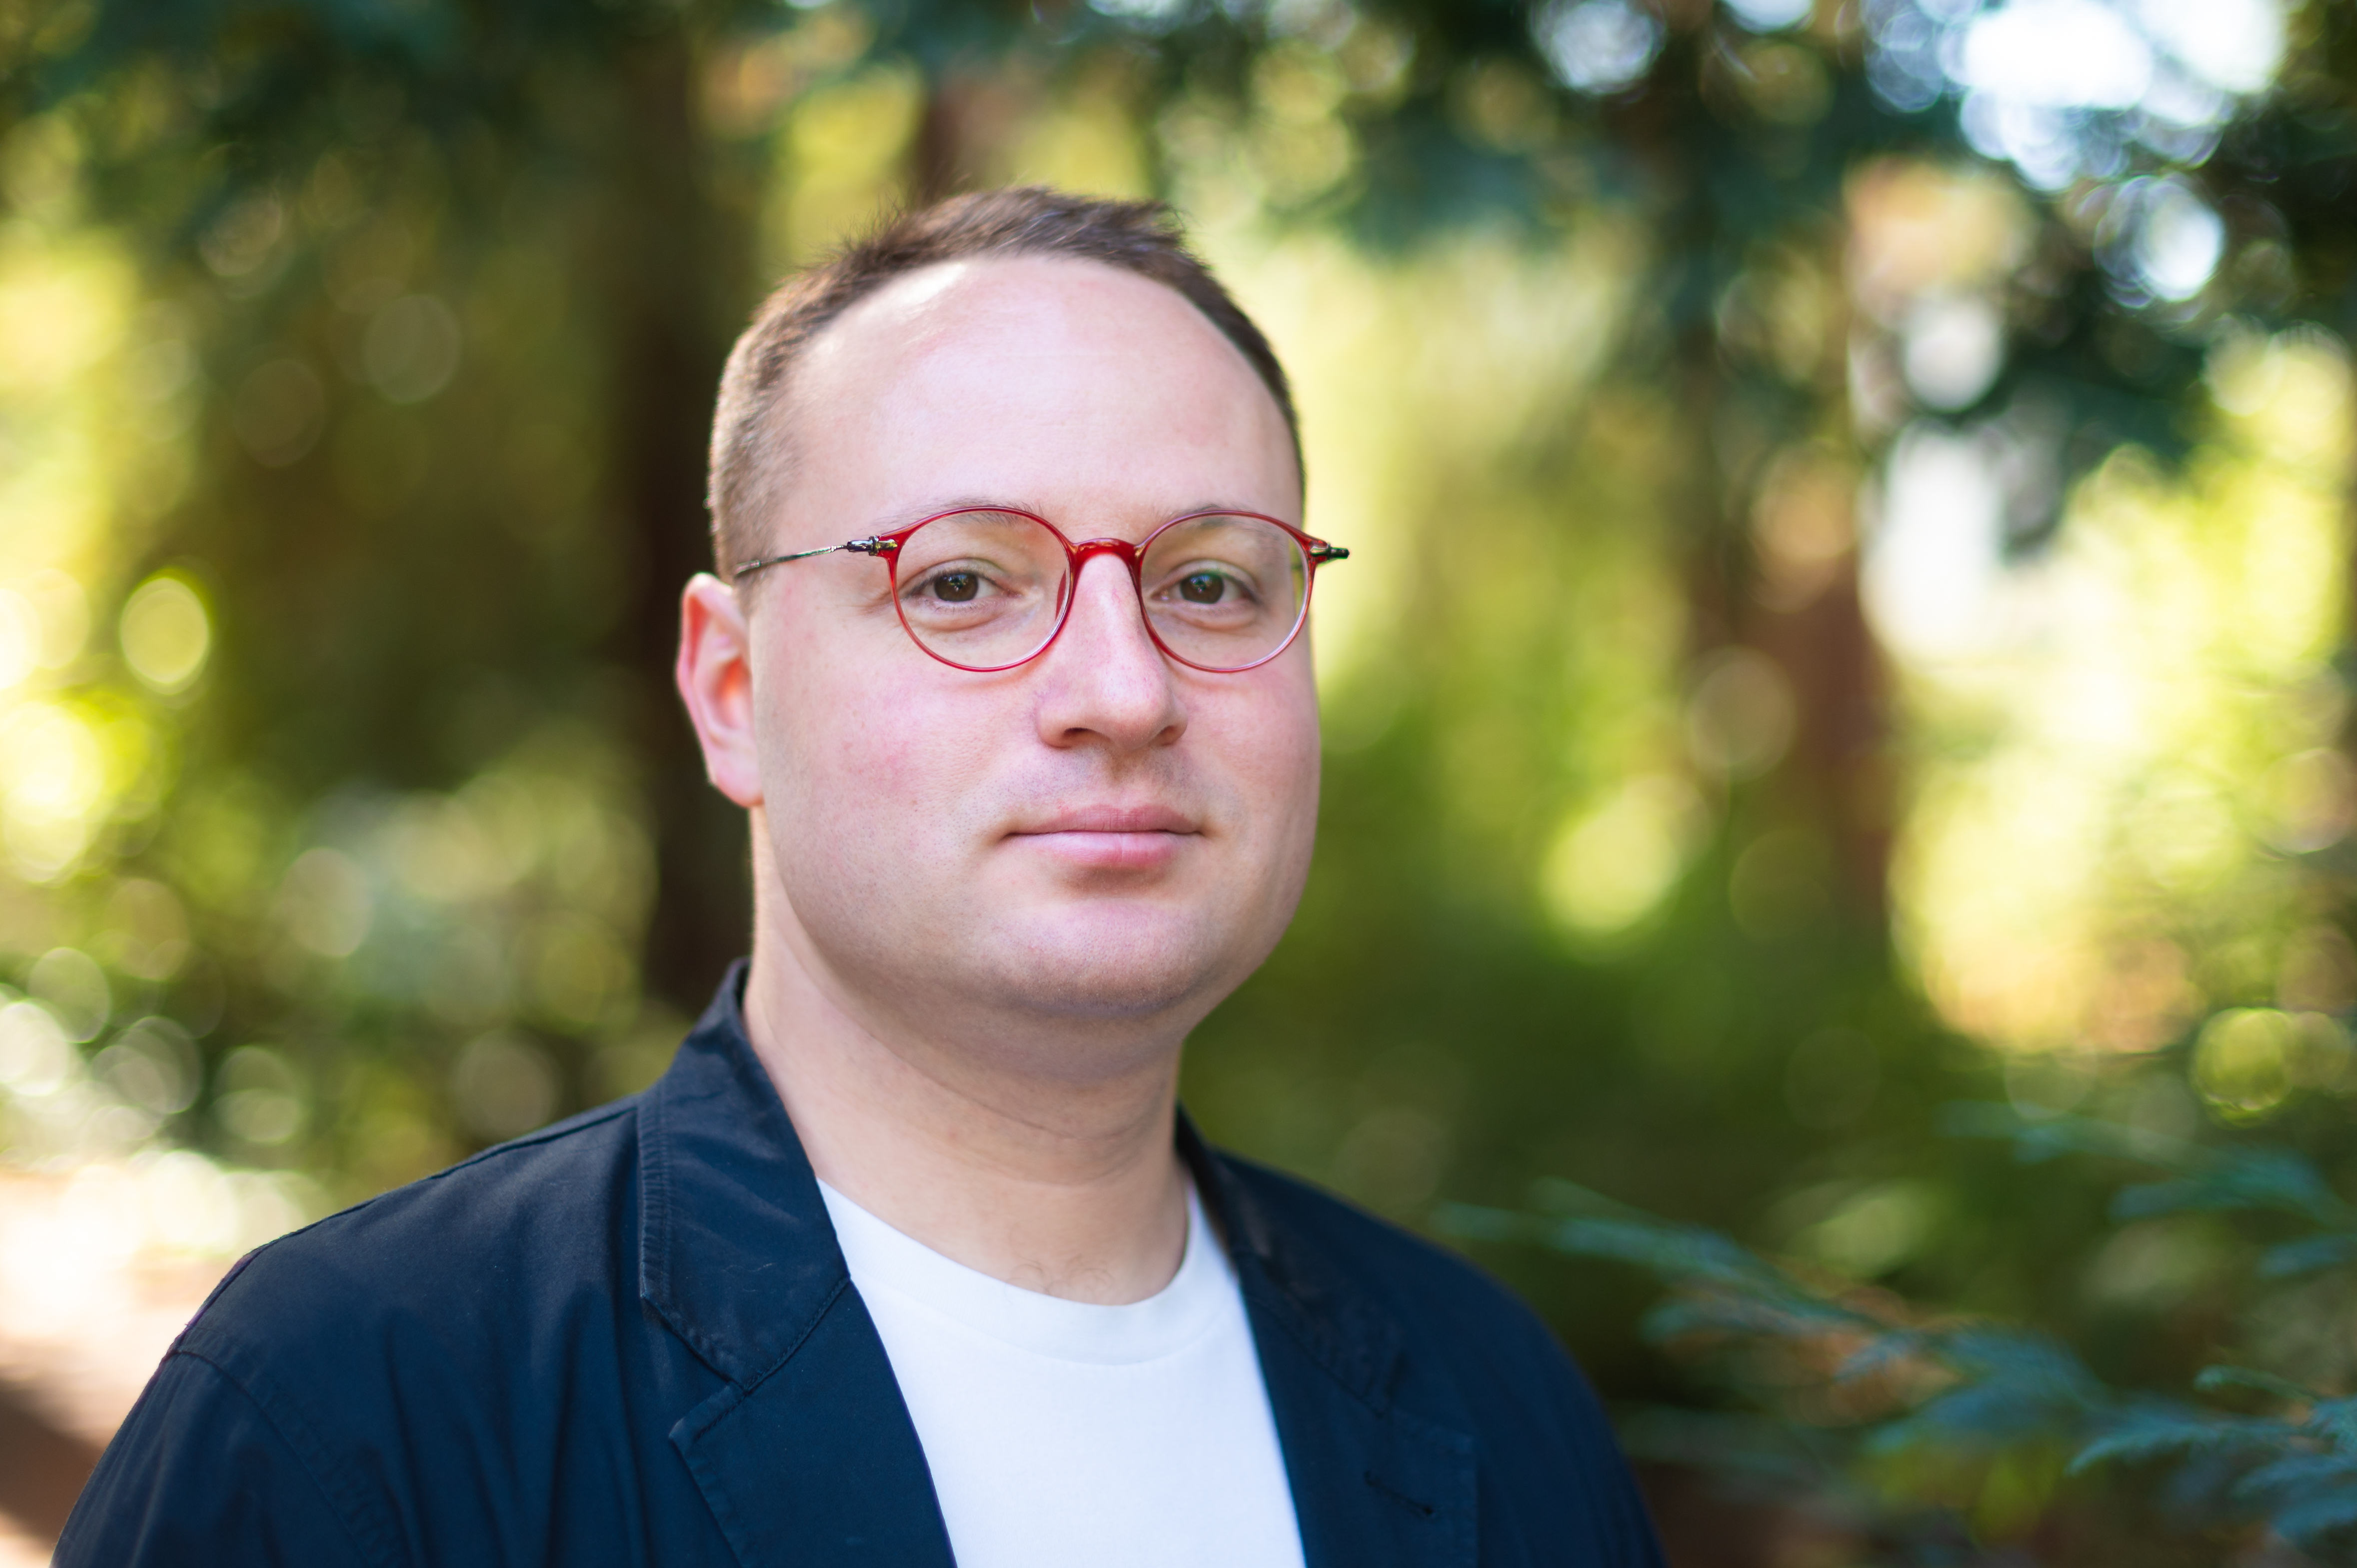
[
  {"x": 751, "y": 425},
  {"x": 785, "y": 413}
]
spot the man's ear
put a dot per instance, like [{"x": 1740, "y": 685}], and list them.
[{"x": 715, "y": 681}]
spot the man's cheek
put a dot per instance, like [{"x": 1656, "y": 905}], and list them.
[{"x": 872, "y": 744}]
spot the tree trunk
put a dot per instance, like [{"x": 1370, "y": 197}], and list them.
[
  {"x": 674, "y": 275},
  {"x": 42, "y": 1468}
]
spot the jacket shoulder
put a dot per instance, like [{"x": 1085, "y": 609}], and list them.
[
  {"x": 204, "y": 1472},
  {"x": 546, "y": 1213},
  {"x": 1421, "y": 1282}
]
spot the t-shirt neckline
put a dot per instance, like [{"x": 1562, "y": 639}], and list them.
[{"x": 882, "y": 1258}]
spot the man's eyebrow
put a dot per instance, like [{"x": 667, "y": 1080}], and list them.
[
  {"x": 1217, "y": 506},
  {"x": 902, "y": 517}
]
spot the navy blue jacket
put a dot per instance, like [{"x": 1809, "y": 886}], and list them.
[{"x": 630, "y": 1338}]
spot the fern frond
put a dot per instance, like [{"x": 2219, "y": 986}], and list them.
[
  {"x": 2308, "y": 1254},
  {"x": 2151, "y": 1429},
  {"x": 2035, "y": 1143},
  {"x": 2306, "y": 1523},
  {"x": 2272, "y": 1180},
  {"x": 2297, "y": 1478},
  {"x": 2217, "y": 1379},
  {"x": 1883, "y": 1351},
  {"x": 2335, "y": 1421}
]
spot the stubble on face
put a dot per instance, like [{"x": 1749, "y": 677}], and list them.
[{"x": 1098, "y": 841}]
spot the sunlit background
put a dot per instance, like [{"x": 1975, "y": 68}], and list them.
[{"x": 1849, "y": 508}]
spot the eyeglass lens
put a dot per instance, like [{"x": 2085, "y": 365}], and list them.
[{"x": 984, "y": 589}]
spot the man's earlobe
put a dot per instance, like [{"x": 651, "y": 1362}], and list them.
[{"x": 714, "y": 673}]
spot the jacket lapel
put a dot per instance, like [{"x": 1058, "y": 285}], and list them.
[
  {"x": 806, "y": 1454},
  {"x": 1373, "y": 1485}
]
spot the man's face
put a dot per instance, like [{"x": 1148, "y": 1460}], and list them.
[{"x": 1099, "y": 834}]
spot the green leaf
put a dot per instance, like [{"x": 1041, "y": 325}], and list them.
[
  {"x": 1474, "y": 1222},
  {"x": 2308, "y": 1254},
  {"x": 2307, "y": 1522},
  {"x": 1882, "y": 1352},
  {"x": 2212, "y": 1380},
  {"x": 2035, "y": 1141},
  {"x": 2335, "y": 1421},
  {"x": 2274, "y": 1180},
  {"x": 2152, "y": 1429},
  {"x": 2296, "y": 1478}
]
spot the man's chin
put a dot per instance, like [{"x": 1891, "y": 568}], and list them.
[{"x": 1109, "y": 964}]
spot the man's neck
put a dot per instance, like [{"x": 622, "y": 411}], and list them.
[{"x": 1073, "y": 1189}]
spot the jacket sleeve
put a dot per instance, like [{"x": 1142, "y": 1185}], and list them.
[{"x": 201, "y": 1473}]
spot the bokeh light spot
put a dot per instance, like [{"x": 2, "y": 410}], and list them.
[
  {"x": 1877, "y": 1230},
  {"x": 279, "y": 413},
  {"x": 503, "y": 1086},
  {"x": 154, "y": 1065},
  {"x": 412, "y": 349},
  {"x": 35, "y": 1056},
  {"x": 2060, "y": 54},
  {"x": 578, "y": 973},
  {"x": 1951, "y": 350},
  {"x": 1597, "y": 45},
  {"x": 258, "y": 1097},
  {"x": 20, "y": 638},
  {"x": 1739, "y": 715},
  {"x": 1609, "y": 868},
  {"x": 70, "y": 983},
  {"x": 165, "y": 633},
  {"x": 2242, "y": 1061},
  {"x": 326, "y": 904},
  {"x": 1769, "y": 15},
  {"x": 2308, "y": 800}
]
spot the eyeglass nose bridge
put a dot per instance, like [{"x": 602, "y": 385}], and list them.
[
  {"x": 1077, "y": 555},
  {"x": 1122, "y": 550}
]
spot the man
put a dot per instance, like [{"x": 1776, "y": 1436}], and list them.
[{"x": 910, "y": 1257}]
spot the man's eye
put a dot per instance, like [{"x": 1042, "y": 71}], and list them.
[
  {"x": 1202, "y": 587},
  {"x": 956, "y": 587}
]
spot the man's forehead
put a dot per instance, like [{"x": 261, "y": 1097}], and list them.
[{"x": 1032, "y": 375}]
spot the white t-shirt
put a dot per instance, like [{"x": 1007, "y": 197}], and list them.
[{"x": 1065, "y": 1435}]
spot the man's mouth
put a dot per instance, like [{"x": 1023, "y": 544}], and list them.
[{"x": 1110, "y": 837}]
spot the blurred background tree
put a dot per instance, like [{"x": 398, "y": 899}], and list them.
[{"x": 1848, "y": 613}]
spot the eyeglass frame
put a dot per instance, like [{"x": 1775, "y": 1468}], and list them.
[{"x": 887, "y": 548}]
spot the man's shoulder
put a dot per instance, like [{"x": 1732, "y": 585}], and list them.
[
  {"x": 454, "y": 1364},
  {"x": 544, "y": 1216},
  {"x": 1429, "y": 1289}
]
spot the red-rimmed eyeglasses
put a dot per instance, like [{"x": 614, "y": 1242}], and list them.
[{"x": 987, "y": 588}]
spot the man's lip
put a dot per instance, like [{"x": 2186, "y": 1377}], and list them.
[{"x": 1108, "y": 819}]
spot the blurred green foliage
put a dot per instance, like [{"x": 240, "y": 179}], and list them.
[
  {"x": 1910, "y": 1432},
  {"x": 1873, "y": 529}
]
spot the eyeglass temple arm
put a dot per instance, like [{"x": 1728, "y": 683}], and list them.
[
  {"x": 1321, "y": 551},
  {"x": 876, "y": 546}
]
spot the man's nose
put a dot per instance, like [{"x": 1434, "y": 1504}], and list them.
[{"x": 1104, "y": 679}]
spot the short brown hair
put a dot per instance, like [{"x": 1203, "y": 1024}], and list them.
[{"x": 748, "y": 455}]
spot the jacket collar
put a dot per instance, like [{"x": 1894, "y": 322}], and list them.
[
  {"x": 1355, "y": 1341},
  {"x": 738, "y": 1257},
  {"x": 735, "y": 1250},
  {"x": 1374, "y": 1485}
]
